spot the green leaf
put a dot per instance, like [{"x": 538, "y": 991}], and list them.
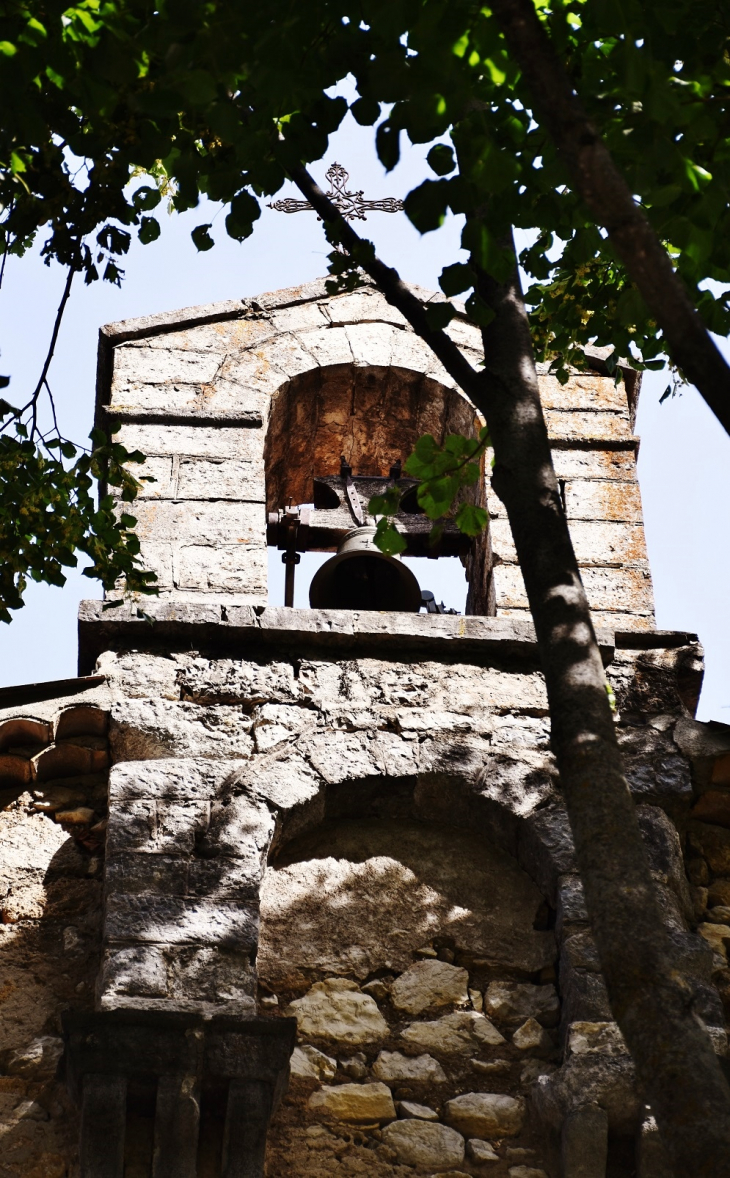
[
  {"x": 427, "y": 205},
  {"x": 387, "y": 143},
  {"x": 365, "y": 111},
  {"x": 388, "y": 539},
  {"x": 471, "y": 520},
  {"x": 146, "y": 198},
  {"x": 386, "y": 504},
  {"x": 441, "y": 159},
  {"x": 201, "y": 238},
  {"x": 478, "y": 310},
  {"x": 149, "y": 230},
  {"x": 439, "y": 315},
  {"x": 4, "y": 382},
  {"x": 456, "y": 278},
  {"x": 245, "y": 209}
]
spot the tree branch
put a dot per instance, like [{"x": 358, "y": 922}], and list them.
[
  {"x": 652, "y": 1003},
  {"x": 598, "y": 182},
  {"x": 32, "y": 404}
]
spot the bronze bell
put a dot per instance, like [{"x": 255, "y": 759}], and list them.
[{"x": 360, "y": 576}]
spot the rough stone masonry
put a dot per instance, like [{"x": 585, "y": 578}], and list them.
[{"x": 243, "y": 824}]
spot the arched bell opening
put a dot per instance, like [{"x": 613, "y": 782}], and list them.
[{"x": 337, "y": 436}]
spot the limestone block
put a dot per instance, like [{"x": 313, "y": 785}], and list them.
[
  {"x": 602, "y": 1038},
  {"x": 595, "y": 542},
  {"x": 717, "y": 937},
  {"x": 159, "y": 469},
  {"x": 714, "y": 843},
  {"x": 185, "y": 779},
  {"x": 328, "y": 347},
  {"x": 226, "y": 569},
  {"x": 594, "y": 464},
  {"x": 337, "y": 1009},
  {"x": 208, "y": 681},
  {"x": 219, "y": 478},
  {"x": 652, "y": 1160},
  {"x": 141, "y": 365},
  {"x": 581, "y": 426},
  {"x": 284, "y": 357},
  {"x": 241, "y": 827},
  {"x": 371, "y": 343},
  {"x": 282, "y": 778},
  {"x": 223, "y": 877},
  {"x": 410, "y": 1110},
  {"x": 172, "y": 920},
  {"x": 197, "y": 521},
  {"x": 354, "y": 1103},
  {"x": 608, "y": 1081},
  {"x": 583, "y": 391},
  {"x": 194, "y": 441},
  {"x": 465, "y": 1032},
  {"x": 595, "y": 499},
  {"x": 135, "y": 674},
  {"x": 465, "y": 335},
  {"x": 362, "y": 306},
  {"x": 427, "y": 1146},
  {"x": 152, "y": 729},
  {"x": 274, "y": 723},
  {"x": 339, "y": 756},
  {"x": 607, "y": 589},
  {"x": 307, "y": 1063},
  {"x": 410, "y": 352},
  {"x": 585, "y": 1143},
  {"x": 512, "y": 1002},
  {"x": 481, "y": 1151},
  {"x": 303, "y": 317},
  {"x": 391, "y": 1066},
  {"x": 429, "y": 984},
  {"x": 526, "y": 1172},
  {"x": 394, "y": 756},
  {"x": 138, "y": 971},
  {"x": 486, "y": 1114},
  {"x": 211, "y": 973}
]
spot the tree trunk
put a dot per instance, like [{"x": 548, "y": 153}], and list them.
[
  {"x": 598, "y": 182},
  {"x": 675, "y": 1061}
]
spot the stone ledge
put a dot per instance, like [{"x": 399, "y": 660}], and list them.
[{"x": 312, "y": 633}]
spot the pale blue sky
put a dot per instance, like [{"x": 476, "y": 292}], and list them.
[{"x": 684, "y": 463}]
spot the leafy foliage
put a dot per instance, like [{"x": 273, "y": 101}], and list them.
[
  {"x": 222, "y": 99},
  {"x": 444, "y": 472},
  {"x": 48, "y": 513}
]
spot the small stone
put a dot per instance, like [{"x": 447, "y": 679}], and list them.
[
  {"x": 37, "y": 1061},
  {"x": 516, "y": 1152},
  {"x": 718, "y": 891},
  {"x": 420, "y": 1143},
  {"x": 409, "y": 1110},
  {"x": 462, "y": 1033},
  {"x": 720, "y": 914},
  {"x": 80, "y": 816},
  {"x": 485, "y": 1114},
  {"x": 356, "y": 1067},
  {"x": 481, "y": 1151},
  {"x": 513, "y": 1002},
  {"x": 268, "y": 1001},
  {"x": 526, "y": 1172},
  {"x": 491, "y": 1067},
  {"x": 426, "y": 951},
  {"x": 309, "y": 1064},
  {"x": 446, "y": 955},
  {"x": 337, "y": 1009},
  {"x": 377, "y": 990},
  {"x": 532, "y": 1037},
  {"x": 596, "y": 1039},
  {"x": 477, "y": 999},
  {"x": 427, "y": 984},
  {"x": 421, "y": 1069},
  {"x": 354, "y": 1103}
]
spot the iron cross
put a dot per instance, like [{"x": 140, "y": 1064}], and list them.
[{"x": 352, "y": 205}]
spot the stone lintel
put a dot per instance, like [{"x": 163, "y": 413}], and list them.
[{"x": 311, "y": 633}]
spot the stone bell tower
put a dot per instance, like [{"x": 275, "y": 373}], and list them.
[{"x": 293, "y": 891}]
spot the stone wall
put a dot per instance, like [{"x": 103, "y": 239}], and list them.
[
  {"x": 371, "y": 842},
  {"x": 237, "y": 405}
]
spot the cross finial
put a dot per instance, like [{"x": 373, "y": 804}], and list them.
[{"x": 352, "y": 205}]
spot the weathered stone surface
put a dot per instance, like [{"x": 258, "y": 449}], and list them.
[
  {"x": 718, "y": 938},
  {"x": 336, "y": 1009},
  {"x": 173, "y": 920},
  {"x": 714, "y": 844},
  {"x": 481, "y": 1152},
  {"x": 461, "y": 1033},
  {"x": 602, "y": 1038},
  {"x": 486, "y": 1114},
  {"x": 354, "y": 1102},
  {"x": 370, "y": 893},
  {"x": 526, "y": 1172},
  {"x": 511, "y": 1003},
  {"x": 307, "y": 1063},
  {"x": 409, "y": 1110},
  {"x": 421, "y": 1069},
  {"x": 237, "y": 681},
  {"x": 426, "y": 1146},
  {"x": 38, "y": 1060},
  {"x": 608, "y": 1081},
  {"x": 429, "y": 984},
  {"x": 713, "y": 807},
  {"x": 532, "y": 1037},
  {"x": 148, "y": 729},
  {"x": 584, "y": 1142}
]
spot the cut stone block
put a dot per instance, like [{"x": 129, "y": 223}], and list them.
[
  {"x": 337, "y": 1009},
  {"x": 486, "y": 1114},
  {"x": 427, "y": 1146},
  {"x": 427, "y": 984},
  {"x": 354, "y": 1103}
]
